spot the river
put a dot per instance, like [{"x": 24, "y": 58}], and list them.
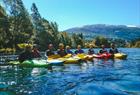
[{"x": 100, "y": 77}]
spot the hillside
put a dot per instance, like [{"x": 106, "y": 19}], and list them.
[{"x": 109, "y": 31}]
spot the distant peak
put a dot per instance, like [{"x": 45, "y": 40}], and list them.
[{"x": 131, "y": 26}]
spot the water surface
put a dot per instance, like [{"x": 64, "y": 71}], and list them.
[{"x": 101, "y": 77}]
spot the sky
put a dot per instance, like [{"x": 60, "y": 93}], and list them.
[{"x": 76, "y": 13}]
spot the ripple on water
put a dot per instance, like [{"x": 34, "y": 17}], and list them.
[
  {"x": 129, "y": 86},
  {"x": 97, "y": 89},
  {"x": 101, "y": 77},
  {"x": 7, "y": 93}
]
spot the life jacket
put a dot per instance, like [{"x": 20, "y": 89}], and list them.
[
  {"x": 113, "y": 51},
  {"x": 61, "y": 52},
  {"x": 36, "y": 54},
  {"x": 49, "y": 52},
  {"x": 103, "y": 51},
  {"x": 25, "y": 56},
  {"x": 79, "y": 51},
  {"x": 90, "y": 51},
  {"x": 69, "y": 52}
]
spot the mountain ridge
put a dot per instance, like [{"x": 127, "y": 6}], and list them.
[{"x": 126, "y": 32}]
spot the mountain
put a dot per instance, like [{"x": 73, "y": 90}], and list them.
[{"x": 125, "y": 32}]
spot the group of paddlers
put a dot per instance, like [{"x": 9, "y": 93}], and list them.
[{"x": 30, "y": 52}]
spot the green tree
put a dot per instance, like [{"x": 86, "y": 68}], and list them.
[
  {"x": 4, "y": 28},
  {"x": 77, "y": 39},
  {"x": 99, "y": 40},
  {"x": 53, "y": 29},
  {"x": 42, "y": 36},
  {"x": 2, "y": 12},
  {"x": 65, "y": 38},
  {"x": 21, "y": 27}
]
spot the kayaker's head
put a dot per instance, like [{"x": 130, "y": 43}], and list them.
[
  {"x": 103, "y": 46},
  {"x": 50, "y": 46},
  {"x": 61, "y": 46},
  {"x": 79, "y": 47},
  {"x": 28, "y": 48},
  {"x": 35, "y": 47},
  {"x": 67, "y": 47},
  {"x": 113, "y": 45},
  {"x": 90, "y": 46}
]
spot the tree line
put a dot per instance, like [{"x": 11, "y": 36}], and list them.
[{"x": 18, "y": 26}]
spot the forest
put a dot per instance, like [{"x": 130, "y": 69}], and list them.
[{"x": 19, "y": 27}]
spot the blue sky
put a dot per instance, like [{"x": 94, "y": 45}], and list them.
[{"x": 75, "y": 13}]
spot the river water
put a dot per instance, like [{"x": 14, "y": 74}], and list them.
[{"x": 100, "y": 77}]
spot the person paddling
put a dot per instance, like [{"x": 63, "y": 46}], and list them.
[
  {"x": 26, "y": 54},
  {"x": 35, "y": 52},
  {"x": 50, "y": 50},
  {"x": 68, "y": 50},
  {"x": 113, "y": 49},
  {"x": 79, "y": 50},
  {"x": 61, "y": 51},
  {"x": 103, "y": 50},
  {"x": 90, "y": 50}
]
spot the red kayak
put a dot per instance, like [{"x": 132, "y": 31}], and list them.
[{"x": 103, "y": 56}]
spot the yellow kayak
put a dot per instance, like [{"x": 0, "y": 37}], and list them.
[
  {"x": 89, "y": 57},
  {"x": 68, "y": 59},
  {"x": 81, "y": 56},
  {"x": 120, "y": 56},
  {"x": 72, "y": 60},
  {"x": 55, "y": 62},
  {"x": 54, "y": 56},
  {"x": 68, "y": 56}
]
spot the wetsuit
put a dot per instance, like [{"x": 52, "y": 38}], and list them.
[
  {"x": 103, "y": 51},
  {"x": 49, "y": 52},
  {"x": 36, "y": 54},
  {"x": 79, "y": 51},
  {"x": 113, "y": 51},
  {"x": 61, "y": 52},
  {"x": 25, "y": 56},
  {"x": 69, "y": 52},
  {"x": 90, "y": 51}
]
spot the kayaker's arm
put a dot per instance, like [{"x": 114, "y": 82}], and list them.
[
  {"x": 117, "y": 50},
  {"x": 46, "y": 55}
]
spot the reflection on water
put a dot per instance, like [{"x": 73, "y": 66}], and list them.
[{"x": 100, "y": 77}]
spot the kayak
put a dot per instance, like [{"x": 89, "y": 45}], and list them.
[
  {"x": 31, "y": 63},
  {"x": 81, "y": 56},
  {"x": 89, "y": 57},
  {"x": 55, "y": 62},
  {"x": 103, "y": 56},
  {"x": 120, "y": 56},
  {"x": 68, "y": 56},
  {"x": 54, "y": 56},
  {"x": 72, "y": 60}
]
